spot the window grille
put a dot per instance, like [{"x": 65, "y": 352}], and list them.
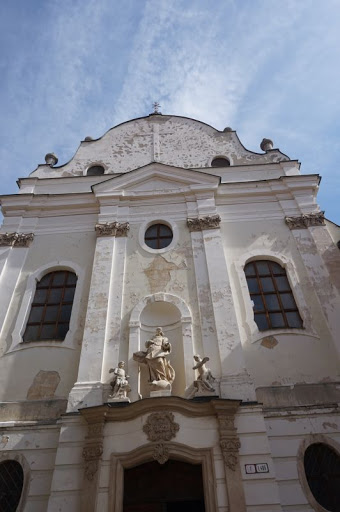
[
  {"x": 274, "y": 303},
  {"x": 11, "y": 484},
  {"x": 51, "y": 307},
  {"x": 158, "y": 236}
]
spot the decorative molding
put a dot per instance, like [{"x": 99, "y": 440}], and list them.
[
  {"x": 230, "y": 447},
  {"x": 16, "y": 239},
  {"x": 160, "y": 426},
  {"x": 91, "y": 454},
  {"x": 306, "y": 220},
  {"x": 115, "y": 228},
  {"x": 161, "y": 453},
  {"x": 200, "y": 223}
]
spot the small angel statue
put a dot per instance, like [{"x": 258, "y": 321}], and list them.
[
  {"x": 119, "y": 384},
  {"x": 205, "y": 379}
]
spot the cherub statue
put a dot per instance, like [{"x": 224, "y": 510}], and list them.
[
  {"x": 205, "y": 378},
  {"x": 119, "y": 384}
]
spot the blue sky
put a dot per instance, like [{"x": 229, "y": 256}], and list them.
[{"x": 267, "y": 68}]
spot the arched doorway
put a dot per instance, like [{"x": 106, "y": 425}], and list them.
[{"x": 173, "y": 486}]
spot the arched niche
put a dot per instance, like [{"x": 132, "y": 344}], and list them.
[{"x": 173, "y": 315}]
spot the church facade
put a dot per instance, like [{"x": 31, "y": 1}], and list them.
[{"x": 170, "y": 329}]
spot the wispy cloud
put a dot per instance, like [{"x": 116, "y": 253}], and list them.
[{"x": 266, "y": 68}]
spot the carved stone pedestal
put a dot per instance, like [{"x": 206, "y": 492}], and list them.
[
  {"x": 117, "y": 399},
  {"x": 161, "y": 392}
]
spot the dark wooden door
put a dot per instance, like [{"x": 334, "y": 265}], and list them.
[{"x": 172, "y": 487}]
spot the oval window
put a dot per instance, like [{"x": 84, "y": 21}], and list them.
[
  {"x": 220, "y": 162},
  {"x": 322, "y": 468},
  {"x": 11, "y": 484},
  {"x": 95, "y": 170},
  {"x": 158, "y": 236}
]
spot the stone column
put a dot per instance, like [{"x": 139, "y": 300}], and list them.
[
  {"x": 230, "y": 445},
  {"x": 16, "y": 246},
  {"x": 88, "y": 390},
  {"x": 235, "y": 382},
  {"x": 134, "y": 346},
  {"x": 115, "y": 304},
  {"x": 310, "y": 233}
]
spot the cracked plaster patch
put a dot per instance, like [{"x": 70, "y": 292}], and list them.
[
  {"x": 44, "y": 385},
  {"x": 269, "y": 342},
  {"x": 158, "y": 273}
]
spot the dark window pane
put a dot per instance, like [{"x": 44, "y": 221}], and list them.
[
  {"x": 69, "y": 294},
  {"x": 151, "y": 231},
  {"x": 36, "y": 314},
  {"x": 220, "y": 162},
  {"x": 165, "y": 230},
  {"x": 258, "y": 302},
  {"x": 282, "y": 284},
  {"x": 262, "y": 268},
  {"x": 45, "y": 280},
  {"x": 65, "y": 313},
  {"x": 58, "y": 278},
  {"x": 95, "y": 170},
  {"x": 262, "y": 322},
  {"x": 55, "y": 295},
  {"x": 277, "y": 320},
  {"x": 322, "y": 468},
  {"x": 71, "y": 278},
  {"x": 277, "y": 269},
  {"x": 47, "y": 332},
  {"x": 11, "y": 483},
  {"x": 51, "y": 313},
  {"x": 31, "y": 333},
  {"x": 152, "y": 243},
  {"x": 272, "y": 302},
  {"x": 288, "y": 301},
  {"x": 164, "y": 242},
  {"x": 62, "y": 331},
  {"x": 253, "y": 285},
  {"x": 294, "y": 320},
  {"x": 250, "y": 270},
  {"x": 40, "y": 296},
  {"x": 267, "y": 284}
]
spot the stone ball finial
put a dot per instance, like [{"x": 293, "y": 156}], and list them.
[
  {"x": 228, "y": 129},
  {"x": 51, "y": 159},
  {"x": 88, "y": 138},
  {"x": 266, "y": 145}
]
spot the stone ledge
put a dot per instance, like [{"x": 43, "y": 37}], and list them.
[{"x": 32, "y": 410}]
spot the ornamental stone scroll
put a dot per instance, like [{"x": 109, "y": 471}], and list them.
[
  {"x": 117, "y": 229},
  {"x": 201, "y": 223},
  {"x": 306, "y": 220},
  {"x": 16, "y": 239}
]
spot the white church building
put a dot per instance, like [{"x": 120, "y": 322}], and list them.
[{"x": 232, "y": 405}]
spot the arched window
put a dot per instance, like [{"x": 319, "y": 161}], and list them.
[
  {"x": 11, "y": 484},
  {"x": 220, "y": 161},
  {"x": 158, "y": 236},
  {"x": 95, "y": 170},
  {"x": 274, "y": 303},
  {"x": 322, "y": 469},
  {"x": 51, "y": 307}
]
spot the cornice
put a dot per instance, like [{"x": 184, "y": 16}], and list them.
[{"x": 190, "y": 408}]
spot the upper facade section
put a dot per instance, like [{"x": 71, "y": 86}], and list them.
[{"x": 171, "y": 140}]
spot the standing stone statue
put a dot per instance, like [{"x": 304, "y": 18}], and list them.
[
  {"x": 205, "y": 381},
  {"x": 161, "y": 373},
  {"x": 119, "y": 383}
]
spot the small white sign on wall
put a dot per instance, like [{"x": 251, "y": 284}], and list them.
[{"x": 257, "y": 468}]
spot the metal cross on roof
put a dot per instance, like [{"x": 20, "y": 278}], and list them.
[{"x": 156, "y": 107}]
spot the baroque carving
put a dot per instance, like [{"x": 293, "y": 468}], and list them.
[
  {"x": 112, "y": 229},
  {"x": 230, "y": 448},
  {"x": 200, "y": 223},
  {"x": 91, "y": 454},
  {"x": 160, "y": 426},
  {"x": 205, "y": 382},
  {"x": 16, "y": 239},
  {"x": 306, "y": 220},
  {"x": 161, "y": 453},
  {"x": 119, "y": 383}
]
